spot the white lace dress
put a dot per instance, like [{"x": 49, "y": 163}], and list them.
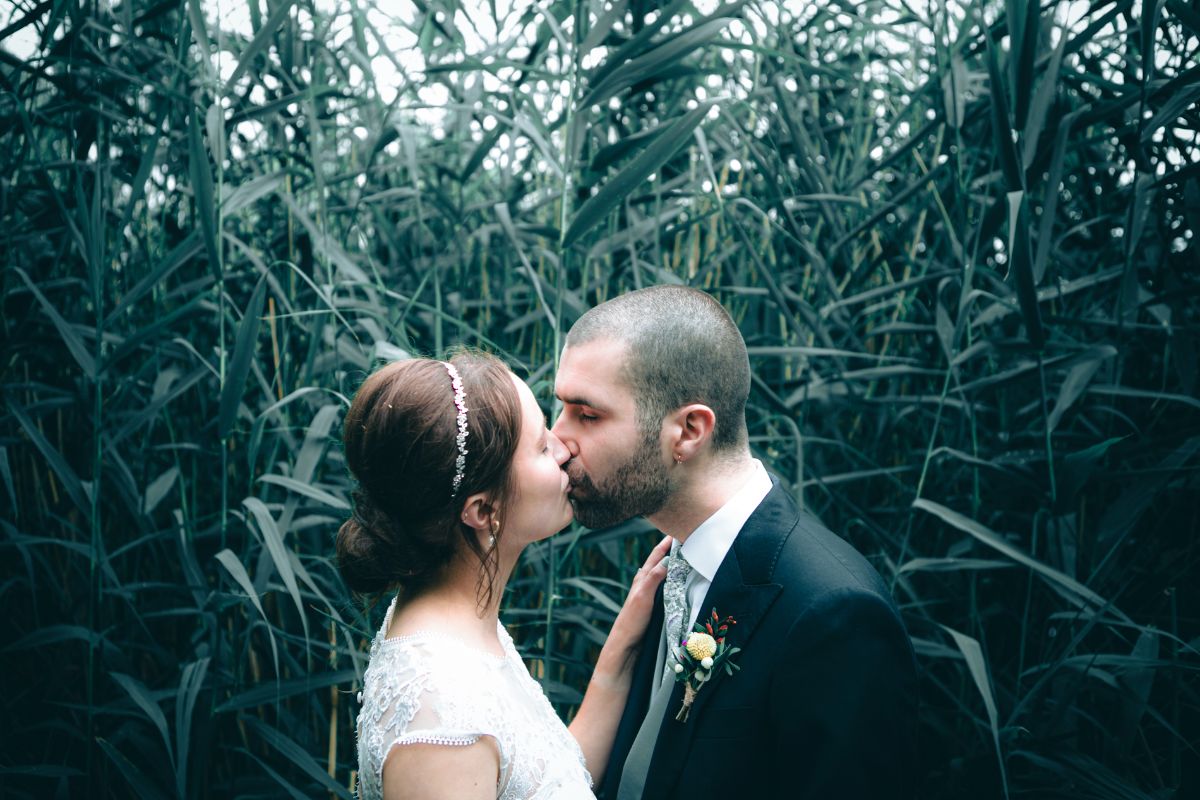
[{"x": 426, "y": 688}]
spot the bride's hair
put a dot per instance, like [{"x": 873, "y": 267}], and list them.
[{"x": 399, "y": 438}]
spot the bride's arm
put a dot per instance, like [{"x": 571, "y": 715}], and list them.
[
  {"x": 442, "y": 772},
  {"x": 595, "y": 726}
]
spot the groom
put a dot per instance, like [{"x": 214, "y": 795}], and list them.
[{"x": 654, "y": 386}]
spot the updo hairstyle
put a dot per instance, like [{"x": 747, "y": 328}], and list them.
[{"x": 399, "y": 438}]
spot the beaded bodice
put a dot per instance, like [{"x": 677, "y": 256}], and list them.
[{"x": 430, "y": 688}]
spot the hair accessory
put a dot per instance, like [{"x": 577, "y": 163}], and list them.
[{"x": 460, "y": 402}]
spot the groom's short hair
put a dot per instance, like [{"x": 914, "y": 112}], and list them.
[{"x": 682, "y": 347}]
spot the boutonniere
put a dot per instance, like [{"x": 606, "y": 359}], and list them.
[{"x": 700, "y": 655}]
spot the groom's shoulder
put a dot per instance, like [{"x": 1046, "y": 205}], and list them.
[{"x": 809, "y": 558}]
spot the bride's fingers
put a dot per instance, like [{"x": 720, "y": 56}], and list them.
[
  {"x": 654, "y": 570},
  {"x": 648, "y": 577},
  {"x": 630, "y": 624},
  {"x": 659, "y": 553}
]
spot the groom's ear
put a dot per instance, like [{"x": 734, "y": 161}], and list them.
[{"x": 692, "y": 428}]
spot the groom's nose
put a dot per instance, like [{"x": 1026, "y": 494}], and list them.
[
  {"x": 562, "y": 429},
  {"x": 559, "y": 450}
]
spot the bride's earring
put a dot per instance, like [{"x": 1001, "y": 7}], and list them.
[{"x": 492, "y": 535}]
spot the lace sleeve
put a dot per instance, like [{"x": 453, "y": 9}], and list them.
[{"x": 418, "y": 694}]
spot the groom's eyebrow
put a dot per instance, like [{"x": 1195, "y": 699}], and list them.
[{"x": 580, "y": 401}]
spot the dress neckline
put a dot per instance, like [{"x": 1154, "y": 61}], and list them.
[
  {"x": 425, "y": 634},
  {"x": 438, "y": 636}
]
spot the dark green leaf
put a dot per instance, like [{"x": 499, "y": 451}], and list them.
[
  {"x": 1185, "y": 14},
  {"x": 278, "y": 553},
  {"x": 53, "y": 634},
  {"x": 656, "y": 154},
  {"x": 1050, "y": 199},
  {"x": 238, "y": 572},
  {"x": 190, "y": 684},
  {"x": 993, "y": 541},
  {"x": 262, "y": 38},
  {"x": 1076, "y": 382},
  {"x": 308, "y": 490},
  {"x": 645, "y": 66},
  {"x": 977, "y": 665},
  {"x": 141, "y": 784},
  {"x": 1001, "y": 125},
  {"x": 1171, "y": 110},
  {"x": 202, "y": 187},
  {"x": 70, "y": 337},
  {"x": 1020, "y": 254},
  {"x": 70, "y": 481},
  {"x": 1023, "y": 55},
  {"x": 239, "y": 362},
  {"x": 297, "y": 755},
  {"x": 158, "y": 489},
  {"x": 270, "y": 692},
  {"x": 1040, "y": 106},
  {"x": 141, "y": 697}
]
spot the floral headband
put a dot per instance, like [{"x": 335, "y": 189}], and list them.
[{"x": 460, "y": 403}]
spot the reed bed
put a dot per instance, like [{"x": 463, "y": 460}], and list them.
[{"x": 959, "y": 238}]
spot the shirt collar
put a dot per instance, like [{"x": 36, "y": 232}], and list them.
[{"x": 707, "y": 546}]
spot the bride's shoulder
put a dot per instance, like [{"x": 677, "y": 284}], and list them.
[
  {"x": 437, "y": 660},
  {"x": 417, "y": 657},
  {"x": 425, "y": 685}
]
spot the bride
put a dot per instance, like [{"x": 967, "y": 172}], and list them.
[{"x": 456, "y": 474}]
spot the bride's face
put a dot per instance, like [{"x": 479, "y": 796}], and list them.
[{"x": 539, "y": 507}]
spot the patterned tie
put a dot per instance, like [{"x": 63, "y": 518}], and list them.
[{"x": 675, "y": 603}]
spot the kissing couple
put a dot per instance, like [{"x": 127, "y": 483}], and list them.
[{"x": 757, "y": 655}]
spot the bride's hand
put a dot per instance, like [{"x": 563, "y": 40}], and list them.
[
  {"x": 595, "y": 725},
  {"x": 630, "y": 626}
]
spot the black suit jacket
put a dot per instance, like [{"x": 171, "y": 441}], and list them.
[{"x": 824, "y": 705}]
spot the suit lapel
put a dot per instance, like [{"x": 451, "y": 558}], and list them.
[{"x": 740, "y": 589}]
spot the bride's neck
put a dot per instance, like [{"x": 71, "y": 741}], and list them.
[{"x": 459, "y": 602}]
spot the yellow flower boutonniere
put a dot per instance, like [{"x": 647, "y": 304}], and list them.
[{"x": 700, "y": 655}]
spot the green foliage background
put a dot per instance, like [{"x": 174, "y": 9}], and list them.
[{"x": 959, "y": 238}]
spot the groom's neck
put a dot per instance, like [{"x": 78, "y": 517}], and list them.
[{"x": 701, "y": 493}]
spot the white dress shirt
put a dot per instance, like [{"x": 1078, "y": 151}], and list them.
[{"x": 706, "y": 548}]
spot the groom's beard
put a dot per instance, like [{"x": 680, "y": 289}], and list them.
[{"x": 638, "y": 487}]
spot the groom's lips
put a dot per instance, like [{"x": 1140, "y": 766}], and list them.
[{"x": 573, "y": 482}]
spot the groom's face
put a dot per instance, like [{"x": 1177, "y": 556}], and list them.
[{"x": 617, "y": 467}]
